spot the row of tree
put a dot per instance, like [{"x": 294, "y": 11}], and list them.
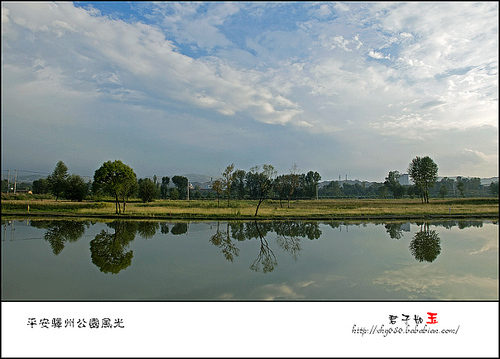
[{"x": 116, "y": 179}]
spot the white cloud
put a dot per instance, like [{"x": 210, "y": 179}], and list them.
[
  {"x": 315, "y": 75},
  {"x": 320, "y": 10},
  {"x": 341, "y": 6},
  {"x": 184, "y": 21},
  {"x": 378, "y": 55},
  {"x": 147, "y": 63},
  {"x": 473, "y": 156},
  {"x": 346, "y": 44},
  {"x": 422, "y": 279}
]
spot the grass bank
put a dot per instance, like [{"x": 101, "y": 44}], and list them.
[{"x": 271, "y": 209}]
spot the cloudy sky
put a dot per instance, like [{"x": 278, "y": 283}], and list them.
[{"x": 354, "y": 88}]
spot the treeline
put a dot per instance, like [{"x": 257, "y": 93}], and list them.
[
  {"x": 118, "y": 180},
  {"x": 444, "y": 188}
]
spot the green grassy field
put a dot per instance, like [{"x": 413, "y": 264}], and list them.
[{"x": 270, "y": 209}]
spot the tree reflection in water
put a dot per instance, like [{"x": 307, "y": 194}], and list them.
[
  {"x": 426, "y": 244},
  {"x": 147, "y": 229},
  {"x": 60, "y": 232},
  {"x": 394, "y": 230},
  {"x": 108, "y": 250},
  {"x": 266, "y": 257},
  {"x": 288, "y": 238},
  {"x": 179, "y": 228},
  {"x": 223, "y": 240}
]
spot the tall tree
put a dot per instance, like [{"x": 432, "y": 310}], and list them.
[
  {"x": 494, "y": 189},
  {"x": 443, "y": 191},
  {"x": 164, "y": 187},
  {"x": 263, "y": 180},
  {"x": 392, "y": 183},
  {"x": 181, "y": 183},
  {"x": 423, "y": 171},
  {"x": 293, "y": 181},
  {"x": 461, "y": 186},
  {"x": 217, "y": 187},
  {"x": 239, "y": 183},
  {"x": 117, "y": 179},
  {"x": 76, "y": 188},
  {"x": 41, "y": 186},
  {"x": 281, "y": 187},
  {"x": 227, "y": 180},
  {"x": 309, "y": 183},
  {"x": 148, "y": 190},
  {"x": 57, "y": 180}
]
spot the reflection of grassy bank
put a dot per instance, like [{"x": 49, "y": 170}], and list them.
[{"x": 193, "y": 209}]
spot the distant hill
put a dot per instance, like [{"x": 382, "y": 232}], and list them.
[
  {"x": 350, "y": 182},
  {"x": 484, "y": 181},
  {"x": 193, "y": 177}
]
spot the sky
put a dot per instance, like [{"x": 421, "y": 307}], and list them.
[{"x": 352, "y": 89}]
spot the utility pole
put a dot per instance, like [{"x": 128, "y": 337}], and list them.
[
  {"x": 15, "y": 182},
  {"x": 188, "y": 189},
  {"x": 8, "y": 181}
]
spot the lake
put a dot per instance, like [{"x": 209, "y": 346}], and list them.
[{"x": 249, "y": 260}]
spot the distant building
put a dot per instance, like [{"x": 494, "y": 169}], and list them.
[{"x": 404, "y": 179}]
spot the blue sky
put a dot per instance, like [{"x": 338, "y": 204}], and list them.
[{"x": 354, "y": 88}]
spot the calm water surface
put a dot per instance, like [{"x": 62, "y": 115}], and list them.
[{"x": 151, "y": 260}]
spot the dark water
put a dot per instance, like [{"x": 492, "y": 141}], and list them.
[{"x": 151, "y": 260}]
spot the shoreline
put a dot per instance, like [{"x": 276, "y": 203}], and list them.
[{"x": 196, "y": 217}]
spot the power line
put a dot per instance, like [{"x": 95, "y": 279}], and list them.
[{"x": 42, "y": 173}]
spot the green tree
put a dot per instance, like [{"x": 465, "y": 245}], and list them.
[
  {"x": 239, "y": 183},
  {"x": 157, "y": 185},
  {"x": 116, "y": 179},
  {"x": 57, "y": 180},
  {"x": 252, "y": 185},
  {"x": 181, "y": 183},
  {"x": 41, "y": 186},
  {"x": 281, "y": 187},
  {"x": 494, "y": 189},
  {"x": 413, "y": 191},
  {"x": 264, "y": 180},
  {"x": 293, "y": 182},
  {"x": 392, "y": 183},
  {"x": 218, "y": 188},
  {"x": 174, "y": 194},
  {"x": 423, "y": 171},
  {"x": 227, "y": 180},
  {"x": 382, "y": 191},
  {"x": 332, "y": 189},
  {"x": 443, "y": 191},
  {"x": 76, "y": 188},
  {"x": 309, "y": 183},
  {"x": 164, "y": 187},
  {"x": 148, "y": 190},
  {"x": 461, "y": 186}
]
